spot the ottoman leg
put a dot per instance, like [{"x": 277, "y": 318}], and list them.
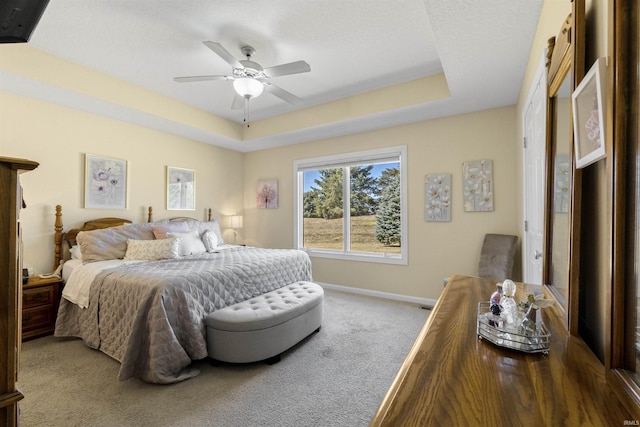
[{"x": 273, "y": 360}]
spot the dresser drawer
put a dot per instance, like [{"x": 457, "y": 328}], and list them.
[
  {"x": 42, "y": 295},
  {"x": 37, "y": 318}
]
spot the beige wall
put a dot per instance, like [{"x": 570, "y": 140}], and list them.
[
  {"x": 436, "y": 250},
  {"x": 57, "y": 138}
]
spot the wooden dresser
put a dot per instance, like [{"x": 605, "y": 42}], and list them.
[
  {"x": 10, "y": 285},
  {"x": 450, "y": 378},
  {"x": 40, "y": 299}
]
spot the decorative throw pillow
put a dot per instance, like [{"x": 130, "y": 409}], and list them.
[
  {"x": 160, "y": 231},
  {"x": 190, "y": 243},
  {"x": 110, "y": 243},
  {"x": 152, "y": 249},
  {"x": 210, "y": 240}
]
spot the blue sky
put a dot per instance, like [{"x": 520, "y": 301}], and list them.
[{"x": 311, "y": 176}]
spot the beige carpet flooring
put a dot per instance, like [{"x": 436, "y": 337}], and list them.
[{"x": 337, "y": 377}]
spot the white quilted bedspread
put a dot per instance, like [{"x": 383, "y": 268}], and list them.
[{"x": 150, "y": 315}]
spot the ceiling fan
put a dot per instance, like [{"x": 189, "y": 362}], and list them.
[{"x": 249, "y": 78}]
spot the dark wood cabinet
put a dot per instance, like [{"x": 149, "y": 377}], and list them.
[
  {"x": 10, "y": 285},
  {"x": 40, "y": 299}
]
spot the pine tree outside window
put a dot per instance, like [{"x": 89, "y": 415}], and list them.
[{"x": 353, "y": 206}]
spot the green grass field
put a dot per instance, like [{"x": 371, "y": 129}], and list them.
[{"x": 327, "y": 234}]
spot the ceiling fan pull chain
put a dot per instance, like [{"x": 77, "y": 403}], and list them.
[{"x": 246, "y": 110}]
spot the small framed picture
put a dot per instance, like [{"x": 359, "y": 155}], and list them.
[
  {"x": 588, "y": 116},
  {"x": 181, "y": 189},
  {"x": 267, "y": 194},
  {"x": 105, "y": 182}
]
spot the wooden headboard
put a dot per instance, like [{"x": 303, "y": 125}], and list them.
[{"x": 177, "y": 218}]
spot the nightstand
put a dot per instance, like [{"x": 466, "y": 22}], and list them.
[{"x": 40, "y": 299}]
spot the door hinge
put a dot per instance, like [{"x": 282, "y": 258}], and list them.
[
  {"x": 524, "y": 140},
  {"x": 526, "y": 225}
]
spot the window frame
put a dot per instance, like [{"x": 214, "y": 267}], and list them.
[{"x": 395, "y": 153}]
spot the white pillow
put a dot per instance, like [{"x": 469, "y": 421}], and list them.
[
  {"x": 152, "y": 249},
  {"x": 212, "y": 226},
  {"x": 76, "y": 252},
  {"x": 210, "y": 240},
  {"x": 190, "y": 243}
]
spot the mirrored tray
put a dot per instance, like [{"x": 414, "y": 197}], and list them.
[{"x": 493, "y": 329}]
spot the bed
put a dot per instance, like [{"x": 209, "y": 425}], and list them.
[{"x": 146, "y": 307}]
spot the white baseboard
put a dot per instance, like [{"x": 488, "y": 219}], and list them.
[{"x": 424, "y": 302}]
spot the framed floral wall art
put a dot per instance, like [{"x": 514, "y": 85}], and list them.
[
  {"x": 105, "y": 182},
  {"x": 478, "y": 185},
  {"x": 437, "y": 198},
  {"x": 267, "y": 194},
  {"x": 588, "y": 116},
  {"x": 181, "y": 189}
]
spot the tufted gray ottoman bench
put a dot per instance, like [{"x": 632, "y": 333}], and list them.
[{"x": 262, "y": 327}]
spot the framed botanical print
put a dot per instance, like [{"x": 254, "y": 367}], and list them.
[
  {"x": 478, "y": 185},
  {"x": 181, "y": 189},
  {"x": 438, "y": 197},
  {"x": 105, "y": 182}
]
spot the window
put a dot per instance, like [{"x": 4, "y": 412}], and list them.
[{"x": 353, "y": 206}]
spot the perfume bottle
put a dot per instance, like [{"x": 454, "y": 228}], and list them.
[
  {"x": 508, "y": 306},
  {"x": 494, "y": 301}
]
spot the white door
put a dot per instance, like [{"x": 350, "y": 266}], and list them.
[{"x": 534, "y": 178}]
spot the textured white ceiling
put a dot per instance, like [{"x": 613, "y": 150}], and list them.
[{"x": 352, "y": 46}]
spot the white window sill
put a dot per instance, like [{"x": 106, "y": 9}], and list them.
[{"x": 381, "y": 258}]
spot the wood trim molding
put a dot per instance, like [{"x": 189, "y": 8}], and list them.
[
  {"x": 578, "y": 63},
  {"x": 623, "y": 174},
  {"x": 560, "y": 55}
]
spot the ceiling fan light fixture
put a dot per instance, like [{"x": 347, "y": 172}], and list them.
[{"x": 248, "y": 87}]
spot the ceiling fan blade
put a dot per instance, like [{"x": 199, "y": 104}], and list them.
[
  {"x": 200, "y": 78},
  {"x": 238, "y": 102},
  {"x": 282, "y": 94},
  {"x": 286, "y": 69},
  {"x": 223, "y": 53}
]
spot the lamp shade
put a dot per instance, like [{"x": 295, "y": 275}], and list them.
[
  {"x": 235, "y": 221},
  {"x": 248, "y": 87}
]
